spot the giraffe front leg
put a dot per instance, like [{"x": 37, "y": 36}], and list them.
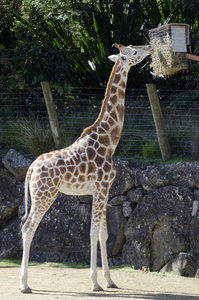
[
  {"x": 94, "y": 236},
  {"x": 103, "y": 236}
]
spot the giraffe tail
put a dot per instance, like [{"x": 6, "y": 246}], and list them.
[{"x": 26, "y": 185}]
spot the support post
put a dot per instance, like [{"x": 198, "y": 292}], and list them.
[
  {"x": 52, "y": 114},
  {"x": 159, "y": 122}
]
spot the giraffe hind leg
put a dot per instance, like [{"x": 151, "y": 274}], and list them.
[{"x": 28, "y": 231}]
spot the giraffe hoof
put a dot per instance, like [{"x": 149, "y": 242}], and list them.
[
  {"x": 26, "y": 290},
  {"x": 111, "y": 286},
  {"x": 96, "y": 288}
]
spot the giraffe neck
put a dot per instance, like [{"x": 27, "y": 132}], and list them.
[
  {"x": 114, "y": 113},
  {"x": 109, "y": 123}
]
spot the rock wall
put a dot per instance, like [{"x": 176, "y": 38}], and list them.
[{"x": 152, "y": 217}]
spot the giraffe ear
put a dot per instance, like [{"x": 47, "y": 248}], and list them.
[{"x": 113, "y": 57}]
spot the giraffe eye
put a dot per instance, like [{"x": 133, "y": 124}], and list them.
[
  {"x": 135, "y": 52},
  {"x": 123, "y": 57}
]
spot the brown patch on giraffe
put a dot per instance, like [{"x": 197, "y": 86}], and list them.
[
  {"x": 51, "y": 173},
  {"x": 115, "y": 134},
  {"x": 82, "y": 168},
  {"x": 99, "y": 160},
  {"x": 52, "y": 189},
  {"x": 120, "y": 109},
  {"x": 109, "y": 107},
  {"x": 71, "y": 169},
  {"x": 39, "y": 183},
  {"x": 81, "y": 150},
  {"x": 122, "y": 84},
  {"x": 102, "y": 151},
  {"x": 38, "y": 193},
  {"x": 44, "y": 174},
  {"x": 109, "y": 155},
  {"x": 77, "y": 159},
  {"x": 114, "y": 116},
  {"x": 121, "y": 93},
  {"x": 68, "y": 176},
  {"x": 91, "y": 167},
  {"x": 105, "y": 126},
  {"x": 124, "y": 73},
  {"x": 112, "y": 175},
  {"x": 63, "y": 170},
  {"x": 91, "y": 153},
  {"x": 106, "y": 177},
  {"x": 101, "y": 130},
  {"x": 104, "y": 139},
  {"x": 60, "y": 162},
  {"x": 77, "y": 185},
  {"x": 83, "y": 157},
  {"x": 81, "y": 178},
  {"x": 111, "y": 122},
  {"x": 76, "y": 173},
  {"x": 107, "y": 167},
  {"x": 96, "y": 145},
  {"x": 55, "y": 181},
  {"x": 117, "y": 78},
  {"x": 104, "y": 184},
  {"x": 99, "y": 175},
  {"x": 34, "y": 185},
  {"x": 56, "y": 172},
  {"x": 42, "y": 188},
  {"x": 55, "y": 193},
  {"x": 93, "y": 136},
  {"x": 97, "y": 185},
  {"x": 113, "y": 89},
  {"x": 113, "y": 99},
  {"x": 49, "y": 182},
  {"x": 90, "y": 142},
  {"x": 73, "y": 180}
]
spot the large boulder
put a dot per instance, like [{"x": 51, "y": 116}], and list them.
[
  {"x": 179, "y": 174},
  {"x": 16, "y": 164},
  {"x": 184, "y": 264},
  {"x": 158, "y": 228},
  {"x": 125, "y": 177},
  {"x": 11, "y": 195}
]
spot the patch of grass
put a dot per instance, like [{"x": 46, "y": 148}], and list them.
[
  {"x": 8, "y": 262},
  {"x": 33, "y": 135}
]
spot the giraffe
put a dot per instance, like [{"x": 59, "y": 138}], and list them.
[{"x": 84, "y": 168}]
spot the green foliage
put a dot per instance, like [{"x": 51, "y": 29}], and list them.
[
  {"x": 31, "y": 135},
  {"x": 68, "y": 43},
  {"x": 149, "y": 149}
]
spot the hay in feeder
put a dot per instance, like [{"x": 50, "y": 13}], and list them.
[{"x": 165, "y": 62}]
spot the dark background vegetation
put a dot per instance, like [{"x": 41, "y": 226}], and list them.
[{"x": 68, "y": 43}]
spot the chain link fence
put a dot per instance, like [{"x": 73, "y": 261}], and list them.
[{"x": 24, "y": 123}]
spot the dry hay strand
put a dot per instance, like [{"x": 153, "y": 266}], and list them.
[{"x": 165, "y": 62}]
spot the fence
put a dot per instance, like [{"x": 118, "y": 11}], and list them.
[{"x": 23, "y": 116}]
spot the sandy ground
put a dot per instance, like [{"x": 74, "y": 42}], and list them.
[{"x": 64, "y": 283}]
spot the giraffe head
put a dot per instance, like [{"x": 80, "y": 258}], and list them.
[{"x": 131, "y": 55}]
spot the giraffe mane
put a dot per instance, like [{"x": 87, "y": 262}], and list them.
[{"x": 104, "y": 104}]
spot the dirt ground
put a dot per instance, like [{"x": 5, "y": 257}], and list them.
[{"x": 66, "y": 283}]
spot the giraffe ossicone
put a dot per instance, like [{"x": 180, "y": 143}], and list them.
[{"x": 84, "y": 168}]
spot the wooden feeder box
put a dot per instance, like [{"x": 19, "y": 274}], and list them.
[{"x": 170, "y": 43}]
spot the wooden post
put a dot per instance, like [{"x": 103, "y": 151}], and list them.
[
  {"x": 52, "y": 114},
  {"x": 159, "y": 122}
]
